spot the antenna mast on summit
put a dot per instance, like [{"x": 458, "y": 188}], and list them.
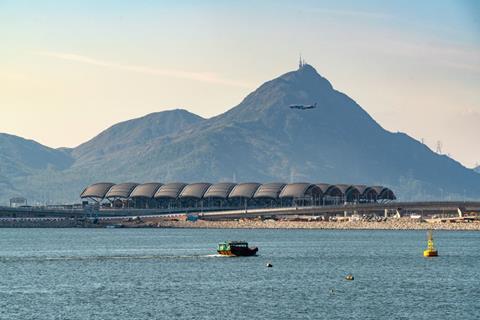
[{"x": 301, "y": 62}]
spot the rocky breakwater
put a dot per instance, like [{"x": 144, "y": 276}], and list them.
[{"x": 387, "y": 224}]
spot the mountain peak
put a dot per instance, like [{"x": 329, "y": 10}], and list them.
[
  {"x": 307, "y": 68},
  {"x": 307, "y": 76}
]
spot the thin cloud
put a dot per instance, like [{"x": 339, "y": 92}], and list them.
[
  {"x": 352, "y": 13},
  {"x": 180, "y": 74}
]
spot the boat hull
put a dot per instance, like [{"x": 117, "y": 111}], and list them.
[{"x": 238, "y": 252}]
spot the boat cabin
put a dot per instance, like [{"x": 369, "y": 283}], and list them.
[{"x": 229, "y": 244}]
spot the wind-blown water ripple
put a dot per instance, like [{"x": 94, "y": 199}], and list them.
[{"x": 175, "y": 274}]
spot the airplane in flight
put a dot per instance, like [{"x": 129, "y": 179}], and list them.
[{"x": 303, "y": 107}]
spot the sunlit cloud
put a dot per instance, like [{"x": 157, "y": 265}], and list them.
[{"x": 179, "y": 74}]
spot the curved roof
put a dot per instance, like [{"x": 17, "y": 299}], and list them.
[
  {"x": 269, "y": 190},
  {"x": 330, "y": 190},
  {"x": 300, "y": 190},
  {"x": 219, "y": 190},
  {"x": 361, "y": 188},
  {"x": 121, "y": 190},
  {"x": 343, "y": 188},
  {"x": 352, "y": 190},
  {"x": 170, "y": 190},
  {"x": 370, "y": 193},
  {"x": 384, "y": 193},
  {"x": 195, "y": 190},
  {"x": 96, "y": 190},
  {"x": 145, "y": 190},
  {"x": 244, "y": 190},
  {"x": 323, "y": 187}
]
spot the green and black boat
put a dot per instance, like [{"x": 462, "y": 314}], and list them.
[{"x": 236, "y": 248}]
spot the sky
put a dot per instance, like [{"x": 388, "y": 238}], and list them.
[{"x": 70, "y": 69}]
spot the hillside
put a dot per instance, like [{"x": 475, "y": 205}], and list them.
[
  {"x": 135, "y": 132},
  {"x": 21, "y": 156},
  {"x": 262, "y": 139}
]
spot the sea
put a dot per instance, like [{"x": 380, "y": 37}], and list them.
[{"x": 176, "y": 274}]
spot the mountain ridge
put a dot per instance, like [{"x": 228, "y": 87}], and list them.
[{"x": 261, "y": 139}]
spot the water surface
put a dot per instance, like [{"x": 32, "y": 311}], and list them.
[{"x": 175, "y": 274}]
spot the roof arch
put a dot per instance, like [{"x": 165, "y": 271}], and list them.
[
  {"x": 330, "y": 190},
  {"x": 300, "y": 190},
  {"x": 195, "y": 190},
  {"x": 361, "y": 188},
  {"x": 370, "y": 193},
  {"x": 170, "y": 190},
  {"x": 96, "y": 190},
  {"x": 384, "y": 193},
  {"x": 145, "y": 190},
  {"x": 244, "y": 190},
  {"x": 353, "y": 193},
  {"x": 323, "y": 187},
  {"x": 219, "y": 190},
  {"x": 121, "y": 190},
  {"x": 343, "y": 188},
  {"x": 269, "y": 190}
]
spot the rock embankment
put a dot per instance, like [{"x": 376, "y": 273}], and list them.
[
  {"x": 390, "y": 224},
  {"x": 157, "y": 222}
]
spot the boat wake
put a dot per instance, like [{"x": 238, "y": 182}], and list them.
[{"x": 106, "y": 257}]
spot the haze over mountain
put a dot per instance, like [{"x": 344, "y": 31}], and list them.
[{"x": 261, "y": 139}]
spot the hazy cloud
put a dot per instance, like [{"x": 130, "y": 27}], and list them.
[
  {"x": 180, "y": 74},
  {"x": 352, "y": 13}
]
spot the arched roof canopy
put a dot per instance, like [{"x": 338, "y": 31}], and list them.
[
  {"x": 323, "y": 187},
  {"x": 370, "y": 193},
  {"x": 121, "y": 190},
  {"x": 384, "y": 193},
  {"x": 145, "y": 190},
  {"x": 343, "y": 188},
  {"x": 96, "y": 190},
  {"x": 300, "y": 190},
  {"x": 331, "y": 190},
  {"x": 269, "y": 190},
  {"x": 352, "y": 193},
  {"x": 244, "y": 190},
  {"x": 194, "y": 190},
  {"x": 170, "y": 190},
  {"x": 361, "y": 189},
  {"x": 219, "y": 190}
]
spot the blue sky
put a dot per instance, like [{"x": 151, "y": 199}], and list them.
[{"x": 80, "y": 66}]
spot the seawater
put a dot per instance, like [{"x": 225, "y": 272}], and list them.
[{"x": 175, "y": 274}]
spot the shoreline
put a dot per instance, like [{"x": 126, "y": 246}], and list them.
[
  {"x": 321, "y": 225},
  {"x": 389, "y": 224}
]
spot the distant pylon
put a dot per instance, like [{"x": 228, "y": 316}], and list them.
[
  {"x": 300, "y": 62},
  {"x": 439, "y": 147}
]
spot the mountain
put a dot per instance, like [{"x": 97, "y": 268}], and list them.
[
  {"x": 22, "y": 157},
  {"x": 477, "y": 169},
  {"x": 133, "y": 133},
  {"x": 261, "y": 139}
]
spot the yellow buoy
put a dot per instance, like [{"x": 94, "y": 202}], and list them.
[{"x": 431, "y": 251}]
